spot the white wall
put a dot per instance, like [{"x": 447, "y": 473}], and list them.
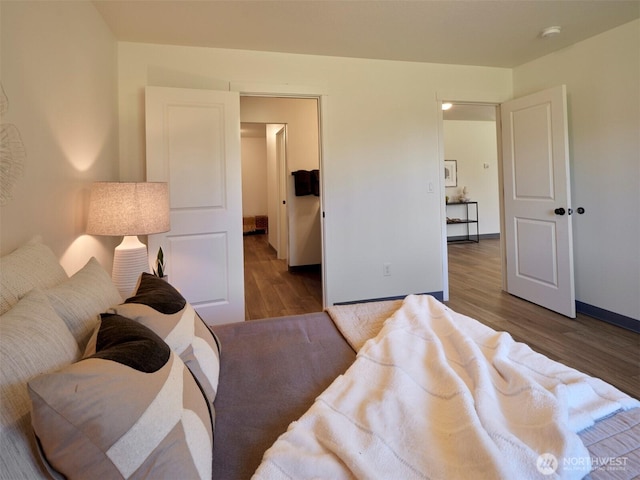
[
  {"x": 58, "y": 71},
  {"x": 301, "y": 118},
  {"x": 602, "y": 75},
  {"x": 473, "y": 144},
  {"x": 254, "y": 176},
  {"x": 379, "y": 149}
]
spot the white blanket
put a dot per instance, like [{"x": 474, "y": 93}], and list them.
[{"x": 439, "y": 395}]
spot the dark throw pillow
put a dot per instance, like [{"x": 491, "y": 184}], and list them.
[
  {"x": 160, "y": 307},
  {"x": 130, "y": 409}
]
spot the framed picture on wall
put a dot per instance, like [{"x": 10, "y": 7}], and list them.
[{"x": 450, "y": 173}]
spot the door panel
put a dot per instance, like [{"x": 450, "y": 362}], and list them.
[
  {"x": 187, "y": 252},
  {"x": 538, "y": 242},
  {"x": 193, "y": 142},
  {"x": 533, "y": 164},
  {"x": 196, "y": 155},
  {"x": 535, "y": 251}
]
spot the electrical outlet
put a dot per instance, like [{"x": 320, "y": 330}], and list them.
[{"x": 386, "y": 269}]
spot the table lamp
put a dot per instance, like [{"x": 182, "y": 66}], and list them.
[{"x": 129, "y": 209}]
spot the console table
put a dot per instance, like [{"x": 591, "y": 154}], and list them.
[{"x": 470, "y": 220}]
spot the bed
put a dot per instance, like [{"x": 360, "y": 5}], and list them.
[
  {"x": 286, "y": 363},
  {"x": 258, "y": 406},
  {"x": 288, "y": 397}
]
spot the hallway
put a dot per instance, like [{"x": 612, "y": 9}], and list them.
[{"x": 271, "y": 290}]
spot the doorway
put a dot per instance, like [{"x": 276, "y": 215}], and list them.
[
  {"x": 471, "y": 143},
  {"x": 279, "y": 136},
  {"x": 536, "y": 235}
]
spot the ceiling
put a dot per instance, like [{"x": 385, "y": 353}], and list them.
[{"x": 499, "y": 33}]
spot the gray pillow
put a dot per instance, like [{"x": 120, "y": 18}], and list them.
[
  {"x": 33, "y": 265},
  {"x": 129, "y": 410},
  {"x": 159, "y": 306},
  {"x": 33, "y": 340},
  {"x": 80, "y": 299}
]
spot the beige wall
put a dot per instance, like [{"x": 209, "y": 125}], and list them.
[
  {"x": 254, "y": 175},
  {"x": 380, "y": 148},
  {"x": 58, "y": 71},
  {"x": 602, "y": 75},
  {"x": 473, "y": 144}
]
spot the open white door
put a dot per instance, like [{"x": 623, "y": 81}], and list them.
[
  {"x": 193, "y": 142},
  {"x": 537, "y": 200}
]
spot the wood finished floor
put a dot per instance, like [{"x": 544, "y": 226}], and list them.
[
  {"x": 586, "y": 344},
  {"x": 273, "y": 291}
]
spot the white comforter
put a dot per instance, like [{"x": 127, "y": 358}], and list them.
[{"x": 438, "y": 395}]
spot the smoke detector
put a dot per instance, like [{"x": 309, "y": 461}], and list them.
[{"x": 551, "y": 32}]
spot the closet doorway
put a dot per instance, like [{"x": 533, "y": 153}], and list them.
[{"x": 283, "y": 242}]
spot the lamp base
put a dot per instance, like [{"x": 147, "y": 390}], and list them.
[{"x": 129, "y": 261}]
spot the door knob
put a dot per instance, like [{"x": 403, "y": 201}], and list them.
[
  {"x": 559, "y": 211},
  {"x": 580, "y": 210}
]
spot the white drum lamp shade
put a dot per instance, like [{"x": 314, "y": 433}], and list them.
[{"x": 128, "y": 209}]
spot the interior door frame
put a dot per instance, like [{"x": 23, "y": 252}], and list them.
[
  {"x": 298, "y": 91},
  {"x": 470, "y": 99},
  {"x": 501, "y": 185},
  {"x": 282, "y": 235}
]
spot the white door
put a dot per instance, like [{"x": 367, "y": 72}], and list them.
[
  {"x": 193, "y": 142},
  {"x": 537, "y": 200}
]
